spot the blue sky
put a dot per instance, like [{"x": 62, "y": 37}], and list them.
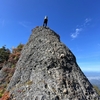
[{"x": 76, "y": 21}]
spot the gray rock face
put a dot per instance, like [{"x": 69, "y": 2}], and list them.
[{"x": 47, "y": 70}]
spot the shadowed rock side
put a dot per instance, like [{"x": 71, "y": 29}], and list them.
[{"x": 47, "y": 70}]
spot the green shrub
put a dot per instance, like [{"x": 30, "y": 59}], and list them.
[
  {"x": 97, "y": 89},
  {"x": 4, "y": 54},
  {"x": 0, "y": 95}
]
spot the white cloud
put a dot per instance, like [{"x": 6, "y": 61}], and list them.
[
  {"x": 76, "y": 33},
  {"x": 87, "y": 20},
  {"x": 25, "y": 24},
  {"x": 78, "y": 30},
  {"x": 94, "y": 78}
]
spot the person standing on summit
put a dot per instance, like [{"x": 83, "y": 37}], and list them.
[{"x": 45, "y": 21}]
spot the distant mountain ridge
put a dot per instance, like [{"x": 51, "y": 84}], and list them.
[{"x": 94, "y": 78}]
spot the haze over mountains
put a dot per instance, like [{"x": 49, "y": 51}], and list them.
[{"x": 94, "y": 78}]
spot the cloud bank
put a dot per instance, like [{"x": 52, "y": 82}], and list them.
[{"x": 94, "y": 78}]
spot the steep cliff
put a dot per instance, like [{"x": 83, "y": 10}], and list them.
[{"x": 47, "y": 70}]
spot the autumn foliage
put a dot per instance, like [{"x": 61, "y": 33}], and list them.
[
  {"x": 8, "y": 62},
  {"x": 6, "y": 96},
  {"x": 14, "y": 56}
]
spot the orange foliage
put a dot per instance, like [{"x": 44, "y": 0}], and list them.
[
  {"x": 14, "y": 56},
  {"x": 9, "y": 70},
  {"x": 6, "y": 96}
]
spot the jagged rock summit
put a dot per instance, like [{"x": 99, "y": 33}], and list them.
[{"x": 47, "y": 70}]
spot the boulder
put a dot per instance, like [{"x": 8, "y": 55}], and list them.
[{"x": 47, "y": 70}]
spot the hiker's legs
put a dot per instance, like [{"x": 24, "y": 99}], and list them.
[
  {"x": 46, "y": 24},
  {"x": 43, "y": 23}
]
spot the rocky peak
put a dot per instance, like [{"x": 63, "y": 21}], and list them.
[{"x": 47, "y": 70}]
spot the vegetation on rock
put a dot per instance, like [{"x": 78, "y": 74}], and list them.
[
  {"x": 97, "y": 89},
  {"x": 6, "y": 96},
  {"x": 4, "y": 55},
  {"x": 8, "y": 62}
]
